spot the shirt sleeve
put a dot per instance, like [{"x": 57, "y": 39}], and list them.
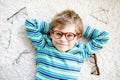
[
  {"x": 37, "y": 31},
  {"x": 96, "y": 38}
]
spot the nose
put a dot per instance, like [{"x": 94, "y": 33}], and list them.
[{"x": 63, "y": 38}]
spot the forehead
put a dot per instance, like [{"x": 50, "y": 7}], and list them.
[{"x": 66, "y": 28}]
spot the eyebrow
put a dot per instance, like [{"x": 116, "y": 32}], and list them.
[{"x": 64, "y": 32}]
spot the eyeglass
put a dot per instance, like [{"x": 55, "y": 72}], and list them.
[
  {"x": 68, "y": 35},
  {"x": 20, "y": 15},
  {"x": 95, "y": 68}
]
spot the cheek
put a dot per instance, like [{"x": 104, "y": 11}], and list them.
[
  {"x": 52, "y": 37},
  {"x": 72, "y": 43}
]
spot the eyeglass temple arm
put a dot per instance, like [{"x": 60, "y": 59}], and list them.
[{"x": 97, "y": 68}]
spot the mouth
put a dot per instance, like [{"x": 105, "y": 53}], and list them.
[{"x": 61, "y": 44}]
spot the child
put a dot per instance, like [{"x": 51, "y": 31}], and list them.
[{"x": 59, "y": 55}]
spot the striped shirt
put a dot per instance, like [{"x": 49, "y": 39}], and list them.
[{"x": 54, "y": 65}]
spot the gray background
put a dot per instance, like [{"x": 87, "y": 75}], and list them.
[{"x": 17, "y": 54}]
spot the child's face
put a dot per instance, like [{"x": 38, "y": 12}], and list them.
[{"x": 63, "y": 40}]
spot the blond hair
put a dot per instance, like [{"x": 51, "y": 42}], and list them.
[{"x": 67, "y": 17}]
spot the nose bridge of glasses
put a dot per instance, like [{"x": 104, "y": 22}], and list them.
[{"x": 63, "y": 36}]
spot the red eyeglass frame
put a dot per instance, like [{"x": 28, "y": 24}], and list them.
[{"x": 52, "y": 31}]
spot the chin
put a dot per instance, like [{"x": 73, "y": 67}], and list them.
[{"x": 63, "y": 50}]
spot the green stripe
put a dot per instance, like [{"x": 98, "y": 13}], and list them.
[
  {"x": 39, "y": 75},
  {"x": 46, "y": 29},
  {"x": 57, "y": 60},
  {"x": 43, "y": 77},
  {"x": 35, "y": 38},
  {"x": 89, "y": 33},
  {"x": 30, "y": 28},
  {"x": 57, "y": 70},
  {"x": 51, "y": 49},
  {"x": 98, "y": 43}
]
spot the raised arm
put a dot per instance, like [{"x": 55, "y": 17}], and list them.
[
  {"x": 97, "y": 39},
  {"x": 37, "y": 31}
]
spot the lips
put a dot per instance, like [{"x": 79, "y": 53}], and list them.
[{"x": 61, "y": 44}]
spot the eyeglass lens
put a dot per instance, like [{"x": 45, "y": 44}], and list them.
[{"x": 69, "y": 36}]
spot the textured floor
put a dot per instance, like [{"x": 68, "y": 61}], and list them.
[{"x": 17, "y": 54}]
